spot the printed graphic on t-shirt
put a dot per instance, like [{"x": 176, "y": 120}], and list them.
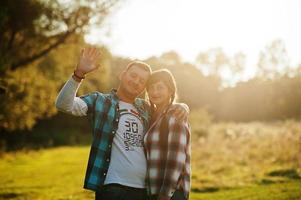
[
  {"x": 128, "y": 163},
  {"x": 132, "y": 134}
]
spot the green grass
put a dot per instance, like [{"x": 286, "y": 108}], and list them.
[
  {"x": 45, "y": 174},
  {"x": 58, "y": 174},
  {"x": 290, "y": 190},
  {"x": 230, "y": 161}
]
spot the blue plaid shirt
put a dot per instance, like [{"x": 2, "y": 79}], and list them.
[{"x": 103, "y": 110}]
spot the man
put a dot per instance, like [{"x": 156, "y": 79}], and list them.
[{"x": 117, "y": 165}]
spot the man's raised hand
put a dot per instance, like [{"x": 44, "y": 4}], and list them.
[{"x": 87, "y": 61}]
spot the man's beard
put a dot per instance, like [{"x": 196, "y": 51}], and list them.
[{"x": 128, "y": 92}]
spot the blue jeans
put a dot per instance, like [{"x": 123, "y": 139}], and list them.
[{"x": 120, "y": 192}]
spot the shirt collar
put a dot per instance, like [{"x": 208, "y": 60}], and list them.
[
  {"x": 137, "y": 103},
  {"x": 114, "y": 94}
]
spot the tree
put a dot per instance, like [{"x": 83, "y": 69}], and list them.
[
  {"x": 171, "y": 58},
  {"x": 212, "y": 61},
  {"x": 273, "y": 61},
  {"x": 39, "y": 43},
  {"x": 29, "y": 29},
  {"x": 215, "y": 62},
  {"x": 32, "y": 90}
]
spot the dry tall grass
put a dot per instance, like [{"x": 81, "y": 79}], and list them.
[{"x": 236, "y": 154}]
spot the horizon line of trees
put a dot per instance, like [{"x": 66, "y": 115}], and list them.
[{"x": 270, "y": 95}]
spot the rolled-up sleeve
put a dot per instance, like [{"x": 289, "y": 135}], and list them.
[{"x": 89, "y": 100}]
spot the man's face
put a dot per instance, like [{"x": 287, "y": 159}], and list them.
[{"x": 133, "y": 81}]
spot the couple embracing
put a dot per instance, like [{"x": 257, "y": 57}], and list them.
[{"x": 140, "y": 148}]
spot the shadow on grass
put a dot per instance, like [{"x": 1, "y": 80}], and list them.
[
  {"x": 267, "y": 181},
  {"x": 9, "y": 195},
  {"x": 280, "y": 176},
  {"x": 205, "y": 190},
  {"x": 288, "y": 173}
]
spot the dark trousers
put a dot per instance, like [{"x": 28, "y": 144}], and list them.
[
  {"x": 177, "y": 195},
  {"x": 120, "y": 192}
]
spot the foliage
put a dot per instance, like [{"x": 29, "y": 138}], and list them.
[
  {"x": 26, "y": 99},
  {"x": 273, "y": 61},
  {"x": 30, "y": 29},
  {"x": 260, "y": 99},
  {"x": 61, "y": 129},
  {"x": 32, "y": 90},
  {"x": 39, "y": 44},
  {"x": 215, "y": 62}
]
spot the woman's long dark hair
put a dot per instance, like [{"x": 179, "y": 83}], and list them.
[{"x": 167, "y": 78}]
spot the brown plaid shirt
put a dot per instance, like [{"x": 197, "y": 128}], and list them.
[{"x": 167, "y": 145}]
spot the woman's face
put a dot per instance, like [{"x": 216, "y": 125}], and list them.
[{"x": 159, "y": 93}]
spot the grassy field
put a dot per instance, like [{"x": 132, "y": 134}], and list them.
[
  {"x": 229, "y": 161},
  {"x": 45, "y": 174}
]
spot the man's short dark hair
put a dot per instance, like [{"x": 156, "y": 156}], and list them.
[{"x": 139, "y": 64}]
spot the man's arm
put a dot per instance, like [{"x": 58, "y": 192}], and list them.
[
  {"x": 180, "y": 111},
  {"x": 67, "y": 100}
]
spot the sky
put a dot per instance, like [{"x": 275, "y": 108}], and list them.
[{"x": 139, "y": 29}]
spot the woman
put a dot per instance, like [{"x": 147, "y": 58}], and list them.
[{"x": 167, "y": 142}]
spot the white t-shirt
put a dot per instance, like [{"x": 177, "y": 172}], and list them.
[{"x": 128, "y": 162}]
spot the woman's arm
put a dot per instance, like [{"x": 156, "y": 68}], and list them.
[{"x": 176, "y": 156}]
